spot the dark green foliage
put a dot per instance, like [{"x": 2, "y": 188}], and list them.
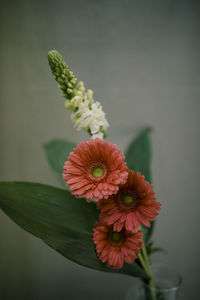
[
  {"x": 59, "y": 219},
  {"x": 152, "y": 249},
  {"x": 138, "y": 154},
  {"x": 57, "y": 152}
]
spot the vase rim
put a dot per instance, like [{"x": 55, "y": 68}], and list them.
[{"x": 173, "y": 288}]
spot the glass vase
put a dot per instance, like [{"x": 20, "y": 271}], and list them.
[{"x": 167, "y": 281}]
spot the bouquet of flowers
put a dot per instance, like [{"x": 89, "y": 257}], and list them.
[{"x": 104, "y": 217}]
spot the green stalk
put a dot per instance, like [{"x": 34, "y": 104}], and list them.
[
  {"x": 144, "y": 251},
  {"x": 145, "y": 264}
]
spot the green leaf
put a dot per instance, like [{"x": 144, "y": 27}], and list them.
[
  {"x": 138, "y": 154},
  {"x": 152, "y": 249},
  {"x": 59, "y": 219},
  {"x": 57, "y": 152},
  {"x": 138, "y": 158}
]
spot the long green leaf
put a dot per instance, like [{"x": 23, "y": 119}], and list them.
[
  {"x": 138, "y": 158},
  {"x": 138, "y": 154},
  {"x": 57, "y": 152},
  {"x": 59, "y": 219}
]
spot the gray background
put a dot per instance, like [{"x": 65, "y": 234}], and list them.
[{"x": 141, "y": 58}]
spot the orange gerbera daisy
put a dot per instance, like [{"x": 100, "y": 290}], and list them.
[
  {"x": 115, "y": 248},
  {"x": 133, "y": 204},
  {"x": 95, "y": 169}
]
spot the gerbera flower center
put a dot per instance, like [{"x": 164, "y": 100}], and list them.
[
  {"x": 129, "y": 199},
  {"x": 98, "y": 172},
  {"x": 116, "y": 238}
]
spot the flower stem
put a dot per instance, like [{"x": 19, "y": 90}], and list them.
[
  {"x": 144, "y": 251},
  {"x": 145, "y": 263}
]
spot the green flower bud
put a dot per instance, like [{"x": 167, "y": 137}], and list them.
[
  {"x": 69, "y": 105},
  {"x": 65, "y": 78}
]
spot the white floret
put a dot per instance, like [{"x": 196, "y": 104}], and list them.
[{"x": 88, "y": 114}]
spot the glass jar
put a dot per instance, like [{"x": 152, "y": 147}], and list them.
[{"x": 167, "y": 282}]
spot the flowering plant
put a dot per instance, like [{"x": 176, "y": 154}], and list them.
[{"x": 112, "y": 232}]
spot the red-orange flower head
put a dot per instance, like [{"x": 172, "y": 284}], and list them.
[
  {"x": 133, "y": 204},
  {"x": 115, "y": 248},
  {"x": 95, "y": 169}
]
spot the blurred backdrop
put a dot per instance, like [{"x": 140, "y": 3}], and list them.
[{"x": 141, "y": 58}]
